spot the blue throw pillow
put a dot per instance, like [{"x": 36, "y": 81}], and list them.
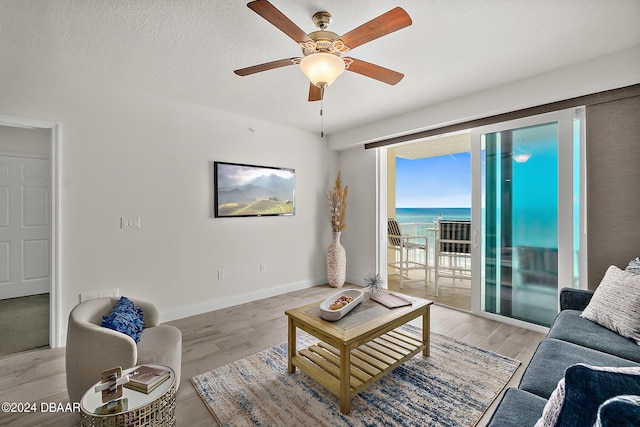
[
  {"x": 126, "y": 318},
  {"x": 620, "y": 411},
  {"x": 588, "y": 387}
]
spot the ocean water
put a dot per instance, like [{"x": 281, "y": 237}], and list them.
[{"x": 428, "y": 215}]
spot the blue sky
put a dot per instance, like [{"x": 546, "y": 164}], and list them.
[{"x": 434, "y": 182}]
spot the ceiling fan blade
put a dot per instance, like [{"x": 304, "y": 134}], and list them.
[
  {"x": 315, "y": 93},
  {"x": 279, "y": 20},
  {"x": 266, "y": 66},
  {"x": 387, "y": 23},
  {"x": 377, "y": 72}
]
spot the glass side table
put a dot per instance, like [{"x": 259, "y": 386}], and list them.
[{"x": 157, "y": 408}]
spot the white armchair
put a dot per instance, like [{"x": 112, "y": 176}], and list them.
[{"x": 92, "y": 349}]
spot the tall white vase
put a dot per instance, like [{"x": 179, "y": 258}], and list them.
[{"x": 336, "y": 262}]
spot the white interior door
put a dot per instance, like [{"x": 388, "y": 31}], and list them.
[{"x": 25, "y": 226}]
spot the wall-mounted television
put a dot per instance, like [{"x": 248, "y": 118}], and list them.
[{"x": 251, "y": 190}]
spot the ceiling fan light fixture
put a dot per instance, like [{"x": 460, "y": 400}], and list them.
[
  {"x": 322, "y": 68},
  {"x": 522, "y": 157}
]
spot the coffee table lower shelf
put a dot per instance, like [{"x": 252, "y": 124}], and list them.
[{"x": 368, "y": 362}]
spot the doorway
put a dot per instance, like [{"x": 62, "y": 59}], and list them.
[
  {"x": 527, "y": 234},
  {"x": 28, "y": 218},
  {"x": 429, "y": 182}
]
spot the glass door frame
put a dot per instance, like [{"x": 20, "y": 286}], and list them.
[{"x": 566, "y": 143}]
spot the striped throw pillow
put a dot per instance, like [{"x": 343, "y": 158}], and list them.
[
  {"x": 616, "y": 303},
  {"x": 634, "y": 266}
]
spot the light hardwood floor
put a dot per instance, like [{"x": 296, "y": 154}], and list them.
[
  {"x": 455, "y": 297},
  {"x": 213, "y": 339}
]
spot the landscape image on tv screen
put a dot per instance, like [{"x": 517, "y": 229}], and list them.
[{"x": 249, "y": 190}]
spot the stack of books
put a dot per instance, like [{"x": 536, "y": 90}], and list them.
[{"x": 147, "y": 378}]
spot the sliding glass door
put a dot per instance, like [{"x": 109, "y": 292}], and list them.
[{"x": 527, "y": 212}]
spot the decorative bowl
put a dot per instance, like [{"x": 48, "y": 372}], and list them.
[{"x": 332, "y": 315}]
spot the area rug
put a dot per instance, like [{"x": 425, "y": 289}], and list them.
[{"x": 454, "y": 386}]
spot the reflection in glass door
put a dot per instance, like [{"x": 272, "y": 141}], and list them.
[{"x": 529, "y": 236}]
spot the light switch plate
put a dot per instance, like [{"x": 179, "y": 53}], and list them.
[{"x": 129, "y": 222}]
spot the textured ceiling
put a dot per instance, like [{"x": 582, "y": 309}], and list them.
[{"x": 187, "y": 49}]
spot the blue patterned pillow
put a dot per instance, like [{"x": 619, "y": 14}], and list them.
[
  {"x": 619, "y": 411},
  {"x": 126, "y": 318},
  {"x": 588, "y": 387}
]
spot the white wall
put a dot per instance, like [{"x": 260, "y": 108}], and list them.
[
  {"x": 129, "y": 154},
  {"x": 358, "y": 171}
]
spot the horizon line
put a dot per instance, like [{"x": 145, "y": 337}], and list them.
[{"x": 437, "y": 207}]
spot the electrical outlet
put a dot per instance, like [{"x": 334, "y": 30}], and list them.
[
  {"x": 220, "y": 274},
  {"x": 263, "y": 268},
  {"x": 126, "y": 222}
]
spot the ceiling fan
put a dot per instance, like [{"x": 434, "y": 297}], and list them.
[{"x": 322, "y": 62}]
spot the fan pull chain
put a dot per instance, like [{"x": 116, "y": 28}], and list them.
[{"x": 321, "y": 117}]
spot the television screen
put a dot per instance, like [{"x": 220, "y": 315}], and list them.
[{"x": 250, "y": 190}]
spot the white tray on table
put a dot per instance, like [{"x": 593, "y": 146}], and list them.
[{"x": 332, "y": 315}]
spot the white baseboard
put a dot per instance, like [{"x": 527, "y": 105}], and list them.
[
  {"x": 63, "y": 340},
  {"x": 219, "y": 303}
]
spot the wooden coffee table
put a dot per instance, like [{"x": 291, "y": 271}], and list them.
[{"x": 358, "y": 349}]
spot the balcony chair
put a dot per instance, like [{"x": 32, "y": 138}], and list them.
[
  {"x": 407, "y": 253},
  {"x": 452, "y": 253},
  {"x": 92, "y": 349}
]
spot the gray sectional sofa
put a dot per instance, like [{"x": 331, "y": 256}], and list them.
[{"x": 574, "y": 340}]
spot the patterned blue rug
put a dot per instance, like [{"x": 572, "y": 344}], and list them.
[{"x": 454, "y": 386}]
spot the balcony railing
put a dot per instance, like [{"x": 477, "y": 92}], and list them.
[{"x": 421, "y": 229}]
